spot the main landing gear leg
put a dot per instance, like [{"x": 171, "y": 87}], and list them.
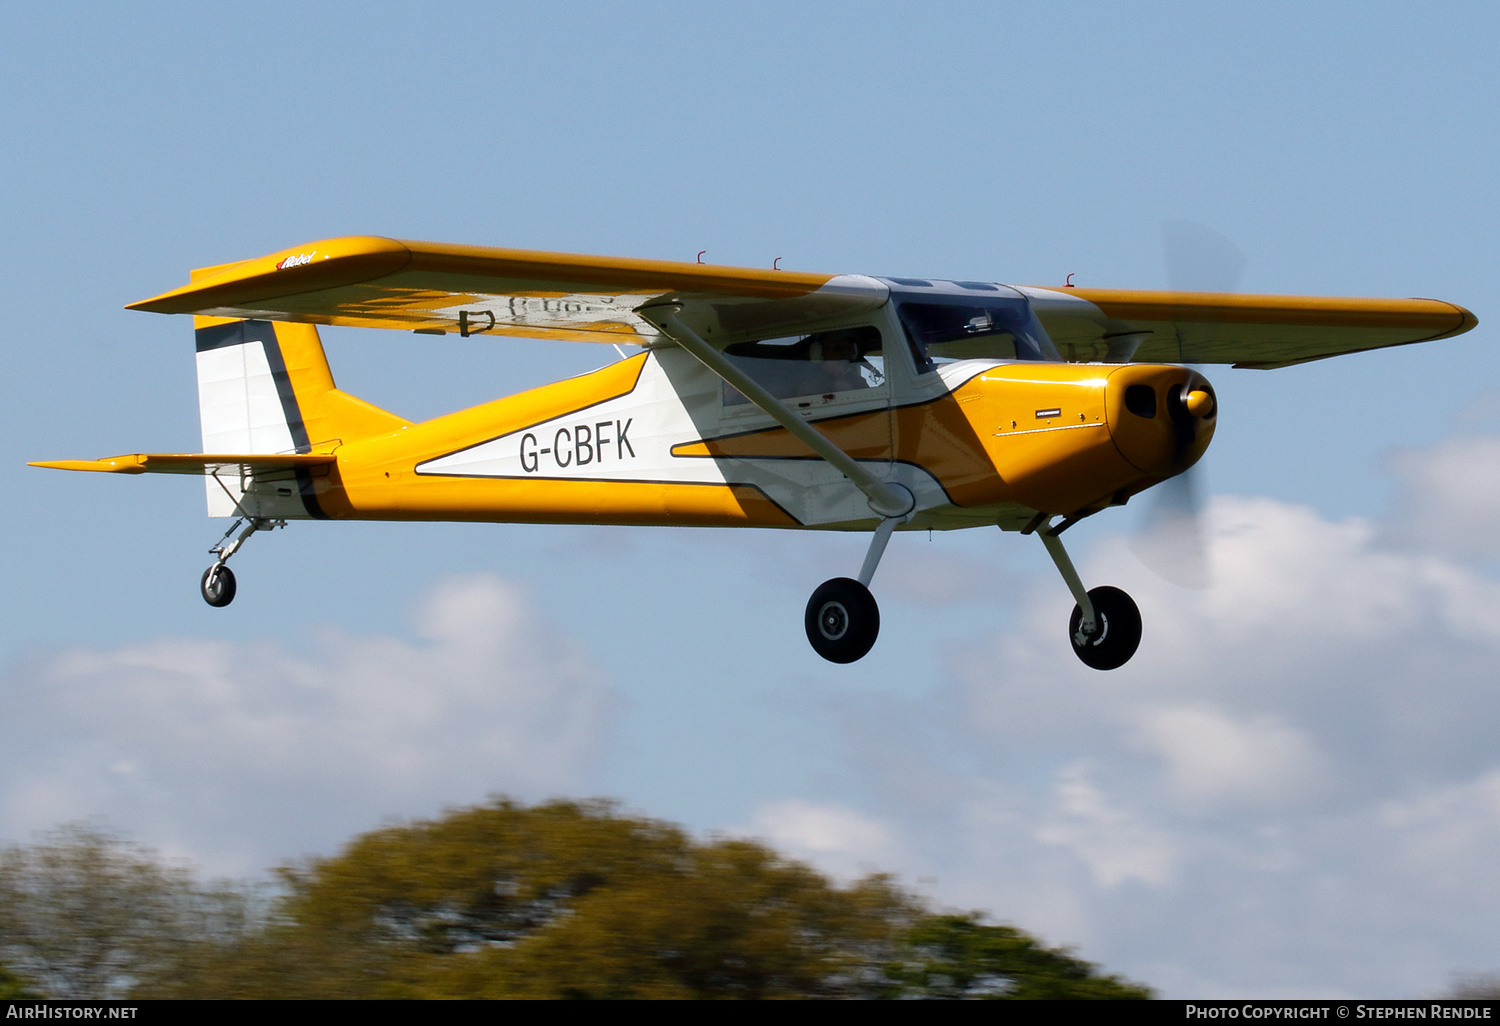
[
  {"x": 218, "y": 580},
  {"x": 842, "y": 618},
  {"x": 1106, "y": 625}
]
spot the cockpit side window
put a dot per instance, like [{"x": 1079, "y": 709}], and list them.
[{"x": 824, "y": 363}]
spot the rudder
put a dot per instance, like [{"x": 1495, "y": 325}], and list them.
[{"x": 265, "y": 387}]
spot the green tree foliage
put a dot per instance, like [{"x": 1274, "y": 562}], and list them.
[
  {"x": 13, "y": 988},
  {"x": 959, "y": 956},
  {"x": 84, "y": 914},
  {"x": 574, "y": 900},
  {"x": 563, "y": 900}
]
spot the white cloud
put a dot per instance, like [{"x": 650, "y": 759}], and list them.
[
  {"x": 1107, "y": 837},
  {"x": 241, "y": 753},
  {"x": 840, "y": 839},
  {"x": 912, "y": 572},
  {"x": 1449, "y": 495},
  {"x": 1211, "y": 756}
]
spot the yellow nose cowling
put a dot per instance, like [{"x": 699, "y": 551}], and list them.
[{"x": 1161, "y": 418}]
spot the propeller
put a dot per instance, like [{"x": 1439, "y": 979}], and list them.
[
  {"x": 1172, "y": 540},
  {"x": 1199, "y": 259}
]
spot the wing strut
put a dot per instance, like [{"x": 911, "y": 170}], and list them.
[{"x": 886, "y": 499}]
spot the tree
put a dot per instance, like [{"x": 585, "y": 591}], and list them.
[
  {"x": 561, "y": 900},
  {"x": 13, "y": 988},
  {"x": 85, "y": 914},
  {"x": 959, "y": 956},
  {"x": 566, "y": 899},
  {"x": 575, "y": 900},
  {"x": 1475, "y": 986}
]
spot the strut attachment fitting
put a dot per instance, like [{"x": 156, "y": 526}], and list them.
[{"x": 886, "y": 499}]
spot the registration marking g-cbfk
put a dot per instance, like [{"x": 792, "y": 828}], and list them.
[{"x": 578, "y": 445}]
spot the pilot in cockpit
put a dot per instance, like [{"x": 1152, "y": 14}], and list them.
[{"x": 842, "y": 362}]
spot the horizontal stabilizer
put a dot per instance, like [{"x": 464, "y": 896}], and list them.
[{"x": 192, "y": 463}]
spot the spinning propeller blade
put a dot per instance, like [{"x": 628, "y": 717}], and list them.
[
  {"x": 1199, "y": 259},
  {"x": 1172, "y": 542}
]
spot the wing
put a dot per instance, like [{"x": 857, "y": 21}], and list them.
[
  {"x": 192, "y": 463},
  {"x": 1244, "y": 330},
  {"x": 432, "y": 288}
]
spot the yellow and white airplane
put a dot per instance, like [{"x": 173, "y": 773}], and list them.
[{"x": 760, "y": 398}]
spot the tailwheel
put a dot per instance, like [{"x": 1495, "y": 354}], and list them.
[
  {"x": 218, "y": 585},
  {"x": 218, "y": 580},
  {"x": 1117, "y": 630},
  {"x": 842, "y": 620}
]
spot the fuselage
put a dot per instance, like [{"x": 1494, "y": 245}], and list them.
[{"x": 657, "y": 438}]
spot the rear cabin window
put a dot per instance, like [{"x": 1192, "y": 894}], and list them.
[{"x": 825, "y": 363}]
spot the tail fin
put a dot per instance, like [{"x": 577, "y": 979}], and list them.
[{"x": 265, "y": 387}]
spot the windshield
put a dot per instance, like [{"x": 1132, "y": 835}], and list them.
[{"x": 947, "y": 321}]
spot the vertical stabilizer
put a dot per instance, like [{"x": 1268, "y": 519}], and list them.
[{"x": 264, "y": 387}]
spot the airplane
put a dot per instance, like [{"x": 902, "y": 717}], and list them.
[{"x": 756, "y": 398}]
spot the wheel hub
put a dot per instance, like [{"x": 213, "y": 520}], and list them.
[
  {"x": 842, "y": 620},
  {"x": 833, "y": 620},
  {"x": 1100, "y": 632}
]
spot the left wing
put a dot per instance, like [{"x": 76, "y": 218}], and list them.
[
  {"x": 433, "y": 288},
  {"x": 1243, "y": 330}
]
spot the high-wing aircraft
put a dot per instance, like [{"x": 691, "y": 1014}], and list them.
[{"x": 760, "y": 398}]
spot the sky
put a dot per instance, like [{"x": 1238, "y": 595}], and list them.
[{"x": 1294, "y": 787}]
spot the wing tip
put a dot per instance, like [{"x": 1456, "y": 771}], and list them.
[
  {"x": 1466, "y": 321},
  {"x": 325, "y": 263},
  {"x": 111, "y": 465}
]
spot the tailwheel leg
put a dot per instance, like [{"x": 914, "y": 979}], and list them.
[
  {"x": 1105, "y": 627},
  {"x": 842, "y": 618},
  {"x": 218, "y": 585}
]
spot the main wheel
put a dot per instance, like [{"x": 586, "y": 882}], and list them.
[
  {"x": 842, "y": 620},
  {"x": 1118, "y": 632},
  {"x": 217, "y": 587}
]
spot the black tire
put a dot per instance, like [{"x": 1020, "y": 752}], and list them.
[
  {"x": 1118, "y": 634},
  {"x": 219, "y": 590},
  {"x": 842, "y": 620}
]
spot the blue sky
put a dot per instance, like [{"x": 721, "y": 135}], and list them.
[{"x": 1293, "y": 789}]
